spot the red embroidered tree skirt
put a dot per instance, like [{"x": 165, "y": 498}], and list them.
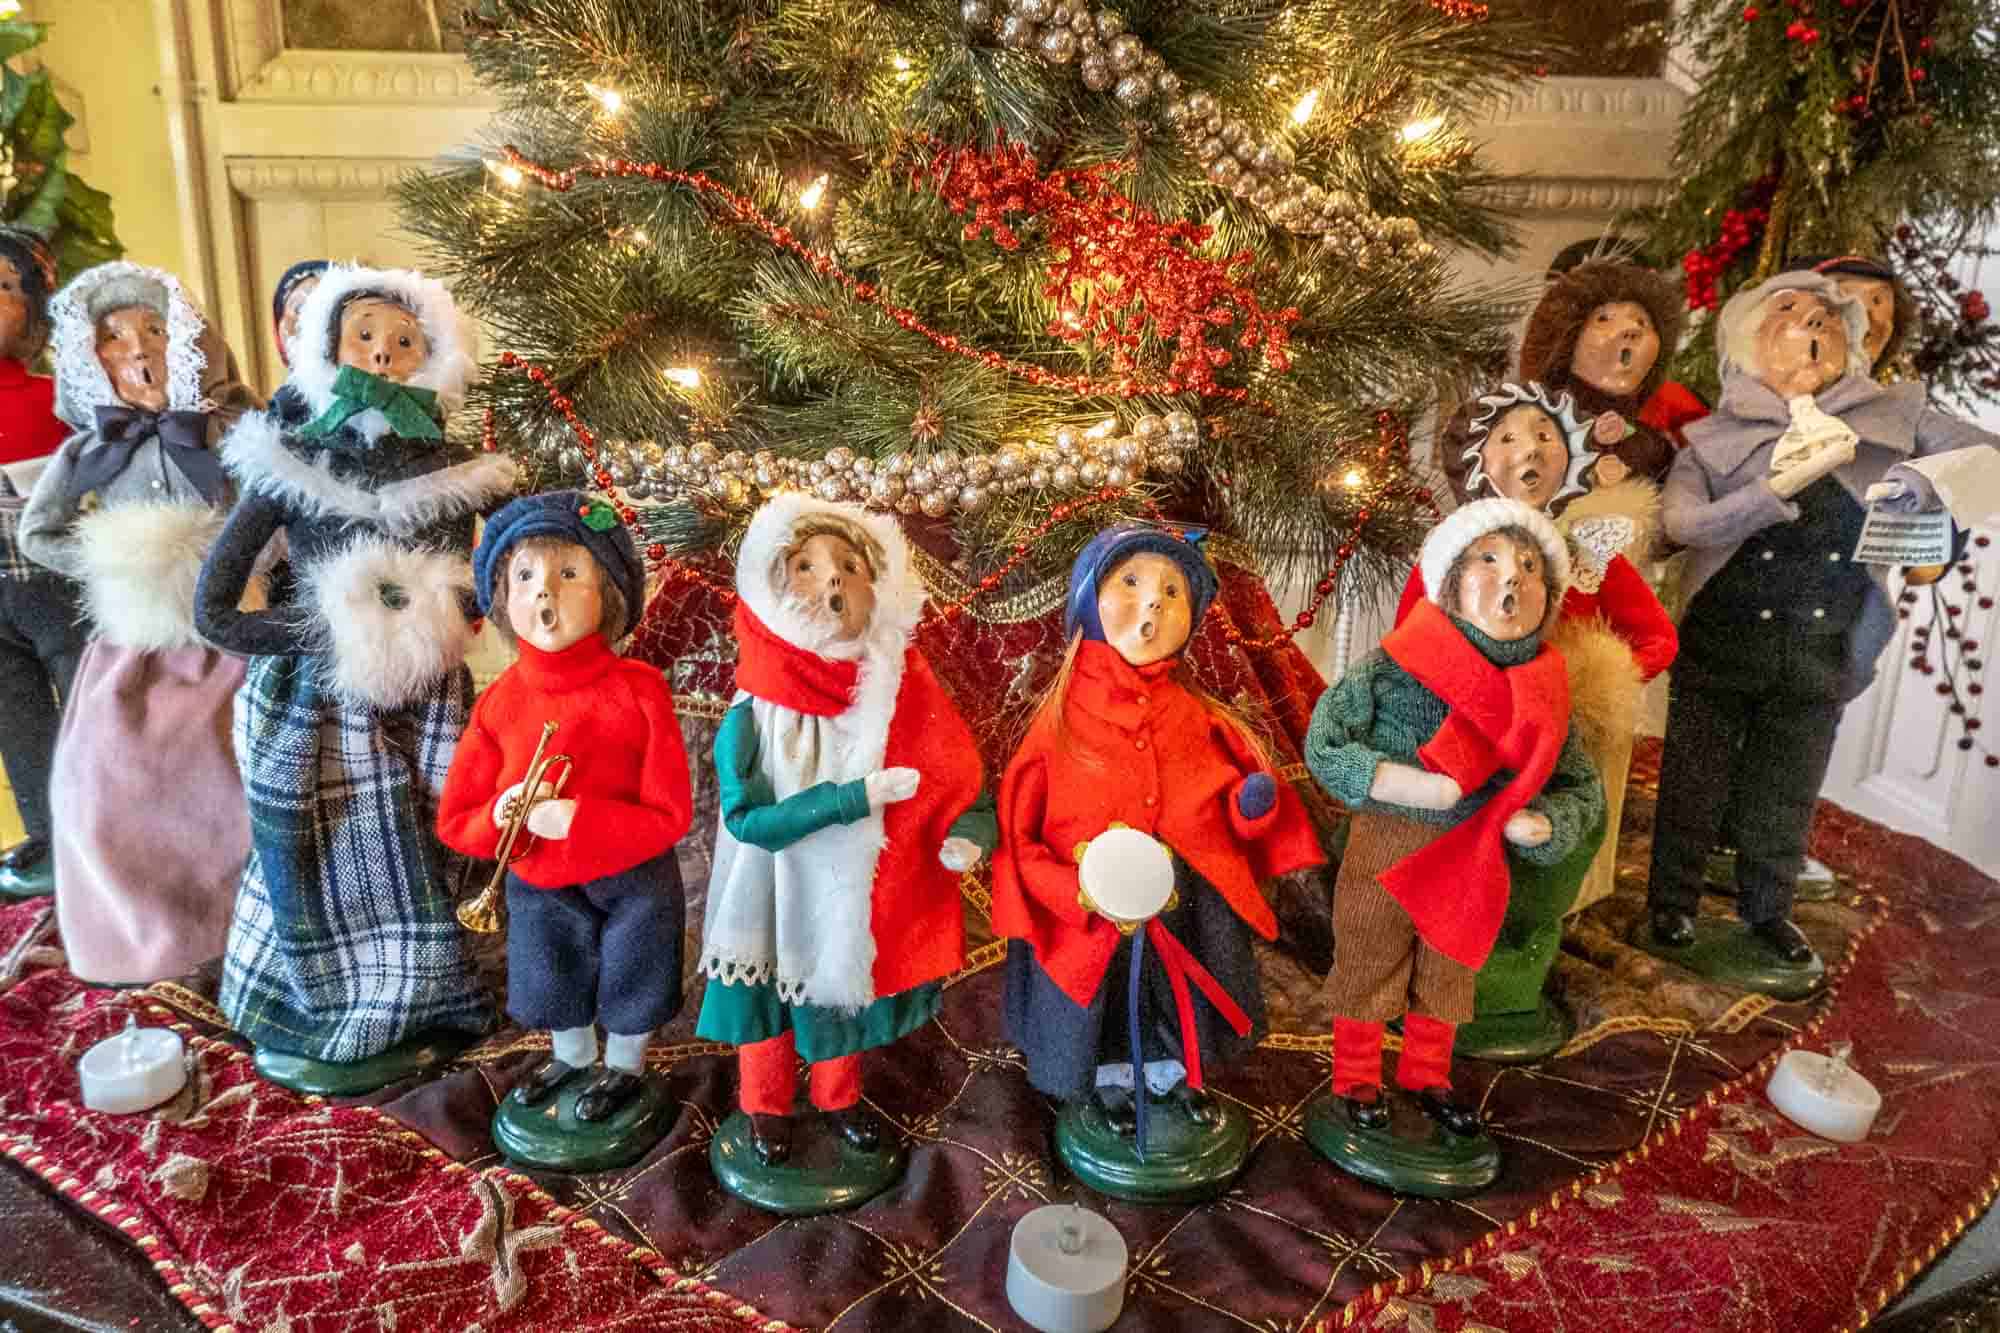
[{"x": 1647, "y": 1183}]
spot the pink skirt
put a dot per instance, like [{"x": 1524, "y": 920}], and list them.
[{"x": 150, "y": 826}]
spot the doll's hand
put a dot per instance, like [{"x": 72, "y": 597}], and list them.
[
  {"x": 1256, "y": 796},
  {"x": 1402, "y": 784},
  {"x": 1885, "y": 492},
  {"x": 959, "y": 855},
  {"x": 551, "y": 819},
  {"x": 1610, "y": 428},
  {"x": 503, "y": 809},
  {"x": 886, "y": 786},
  {"x": 1528, "y": 828}
]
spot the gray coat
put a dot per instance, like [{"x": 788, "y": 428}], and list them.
[{"x": 1717, "y": 496}]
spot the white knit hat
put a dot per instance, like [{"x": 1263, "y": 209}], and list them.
[{"x": 1468, "y": 523}]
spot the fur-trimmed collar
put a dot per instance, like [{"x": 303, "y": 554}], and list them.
[
  {"x": 256, "y": 454},
  {"x": 453, "y": 340}
]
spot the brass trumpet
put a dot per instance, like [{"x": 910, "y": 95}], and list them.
[{"x": 482, "y": 914}]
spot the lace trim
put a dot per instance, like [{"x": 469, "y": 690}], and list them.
[{"x": 80, "y": 378}]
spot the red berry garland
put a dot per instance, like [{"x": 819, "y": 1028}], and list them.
[{"x": 1742, "y": 228}]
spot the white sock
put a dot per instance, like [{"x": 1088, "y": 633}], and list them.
[
  {"x": 575, "y": 1047},
  {"x": 1163, "y": 1076},
  {"x": 626, "y": 1051},
  {"x": 1114, "y": 1076}
]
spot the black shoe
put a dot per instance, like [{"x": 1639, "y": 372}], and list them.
[
  {"x": 541, "y": 1085},
  {"x": 27, "y": 870},
  {"x": 1370, "y": 1112},
  {"x": 1457, "y": 1117},
  {"x": 1199, "y": 1106},
  {"x": 1672, "y": 929},
  {"x": 858, "y": 1125},
  {"x": 25, "y": 855},
  {"x": 1784, "y": 939},
  {"x": 1120, "y": 1111},
  {"x": 608, "y": 1094},
  {"x": 771, "y": 1137}
]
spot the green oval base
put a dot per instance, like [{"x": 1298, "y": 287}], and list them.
[
  {"x": 1431, "y": 1163},
  {"x": 327, "y": 1078},
  {"x": 1185, "y": 1161},
  {"x": 1726, "y": 951},
  {"x": 1815, "y": 884},
  {"x": 1518, "y": 1038},
  {"x": 825, "y": 1174},
  {"x": 550, "y": 1137},
  {"x": 37, "y": 883}
]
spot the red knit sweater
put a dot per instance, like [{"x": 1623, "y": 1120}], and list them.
[
  {"x": 629, "y": 776},
  {"x": 1626, "y": 602},
  {"x": 29, "y": 427}
]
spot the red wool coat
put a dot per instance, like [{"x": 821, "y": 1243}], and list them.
[
  {"x": 29, "y": 427},
  {"x": 1165, "y": 765},
  {"x": 1626, "y": 602},
  {"x": 629, "y": 776}
]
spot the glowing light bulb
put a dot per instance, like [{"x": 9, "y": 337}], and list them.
[
  {"x": 810, "y": 196},
  {"x": 902, "y": 63},
  {"x": 10, "y": 9},
  {"x": 1303, "y": 111},
  {"x": 610, "y": 99},
  {"x": 687, "y": 377},
  {"x": 507, "y": 174},
  {"x": 1102, "y": 428},
  {"x": 1353, "y": 480},
  {"x": 1422, "y": 129},
  {"x": 639, "y": 237}
]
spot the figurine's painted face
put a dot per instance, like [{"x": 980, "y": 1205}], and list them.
[
  {"x": 13, "y": 309},
  {"x": 1501, "y": 588},
  {"x": 830, "y": 583},
  {"x": 1145, "y": 608},
  {"x": 554, "y": 594},
  {"x": 295, "y": 301},
  {"x": 1617, "y": 348},
  {"x": 1525, "y": 456},
  {"x": 1801, "y": 344},
  {"x": 382, "y": 338},
  {"x": 132, "y": 348},
  {"x": 1878, "y": 298}
]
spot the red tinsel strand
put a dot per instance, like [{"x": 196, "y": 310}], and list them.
[
  {"x": 743, "y": 210},
  {"x": 1143, "y": 273}
]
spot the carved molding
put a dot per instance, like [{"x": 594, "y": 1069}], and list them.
[
  {"x": 1578, "y": 196},
  {"x": 347, "y": 77},
  {"x": 1591, "y": 103},
  {"x": 319, "y": 178}
]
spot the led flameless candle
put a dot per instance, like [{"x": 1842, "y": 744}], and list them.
[
  {"x": 1823, "y": 1094},
  {"x": 133, "y": 1071},
  {"x": 1066, "y": 1270}
]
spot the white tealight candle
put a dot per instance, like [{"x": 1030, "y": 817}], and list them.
[
  {"x": 1066, "y": 1270},
  {"x": 1823, "y": 1094},
  {"x": 133, "y": 1071}
]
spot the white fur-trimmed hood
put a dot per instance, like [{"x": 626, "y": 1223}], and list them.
[
  {"x": 1468, "y": 523},
  {"x": 139, "y": 564},
  {"x": 899, "y": 593},
  {"x": 453, "y": 338}
]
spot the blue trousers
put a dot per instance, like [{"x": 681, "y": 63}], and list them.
[{"x": 604, "y": 952}]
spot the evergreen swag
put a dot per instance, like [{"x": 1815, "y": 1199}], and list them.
[
  {"x": 835, "y": 240},
  {"x": 1826, "y": 127},
  {"x": 37, "y": 188}
]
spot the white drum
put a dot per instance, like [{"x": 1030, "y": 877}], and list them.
[{"x": 1128, "y": 874}]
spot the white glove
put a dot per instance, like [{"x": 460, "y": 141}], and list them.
[
  {"x": 1885, "y": 490},
  {"x": 551, "y": 819},
  {"x": 959, "y": 855},
  {"x": 1402, "y": 784},
  {"x": 1528, "y": 828},
  {"x": 886, "y": 786},
  {"x": 500, "y": 812}
]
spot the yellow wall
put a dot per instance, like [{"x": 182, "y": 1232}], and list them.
[{"x": 105, "y": 58}]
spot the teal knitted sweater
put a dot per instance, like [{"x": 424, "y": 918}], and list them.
[{"x": 1379, "y": 712}]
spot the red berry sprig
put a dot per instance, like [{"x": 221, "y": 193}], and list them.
[
  {"x": 1950, "y": 655},
  {"x": 1741, "y": 229}
]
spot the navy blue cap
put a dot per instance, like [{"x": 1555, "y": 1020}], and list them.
[
  {"x": 574, "y": 516},
  {"x": 1103, "y": 553}
]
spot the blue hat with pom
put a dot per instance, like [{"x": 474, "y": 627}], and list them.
[
  {"x": 1103, "y": 553},
  {"x": 574, "y": 516}
]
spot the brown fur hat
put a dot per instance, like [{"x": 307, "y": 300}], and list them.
[{"x": 1558, "y": 320}]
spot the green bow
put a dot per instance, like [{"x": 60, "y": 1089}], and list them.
[{"x": 412, "y": 412}]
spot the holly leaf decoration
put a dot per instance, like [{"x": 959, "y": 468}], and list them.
[{"x": 599, "y": 516}]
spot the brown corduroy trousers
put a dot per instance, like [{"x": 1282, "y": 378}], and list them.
[{"x": 1381, "y": 969}]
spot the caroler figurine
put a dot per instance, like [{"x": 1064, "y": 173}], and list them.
[
  {"x": 593, "y": 892},
  {"x": 150, "y": 829},
  {"x": 1125, "y": 1014},
  {"x": 1524, "y": 442},
  {"x": 346, "y": 966},
  {"x": 1452, "y": 745},
  {"x": 1783, "y": 627},
  {"x": 851, "y": 795},
  {"x": 41, "y": 629}
]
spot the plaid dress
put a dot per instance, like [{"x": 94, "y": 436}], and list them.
[{"x": 343, "y": 946}]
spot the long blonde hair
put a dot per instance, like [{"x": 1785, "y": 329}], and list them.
[{"x": 1055, "y": 699}]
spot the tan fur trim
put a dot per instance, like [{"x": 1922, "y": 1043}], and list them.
[
  {"x": 1636, "y": 499},
  {"x": 1604, "y": 686},
  {"x": 139, "y": 566}
]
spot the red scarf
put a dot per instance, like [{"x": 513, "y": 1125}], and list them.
[
  {"x": 1513, "y": 718},
  {"x": 915, "y": 913}
]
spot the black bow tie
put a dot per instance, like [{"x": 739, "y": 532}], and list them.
[{"x": 121, "y": 430}]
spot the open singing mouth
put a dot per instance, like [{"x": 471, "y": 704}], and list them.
[
  {"x": 1147, "y": 629},
  {"x": 547, "y": 615},
  {"x": 836, "y": 603},
  {"x": 1815, "y": 349},
  {"x": 1509, "y": 604},
  {"x": 145, "y": 374},
  {"x": 1625, "y": 356},
  {"x": 1531, "y": 477}
]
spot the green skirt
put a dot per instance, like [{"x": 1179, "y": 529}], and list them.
[{"x": 741, "y": 1014}]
